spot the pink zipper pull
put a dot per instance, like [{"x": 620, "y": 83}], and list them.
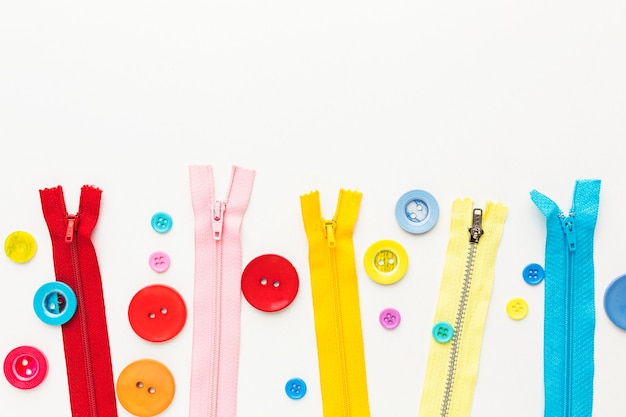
[
  {"x": 72, "y": 222},
  {"x": 218, "y": 219}
]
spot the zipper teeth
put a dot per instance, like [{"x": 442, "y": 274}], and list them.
[
  {"x": 569, "y": 282},
  {"x": 82, "y": 316},
  {"x": 458, "y": 328},
  {"x": 343, "y": 372},
  {"x": 217, "y": 331}
]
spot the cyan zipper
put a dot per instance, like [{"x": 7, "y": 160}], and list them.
[
  {"x": 475, "y": 232},
  {"x": 569, "y": 233}
]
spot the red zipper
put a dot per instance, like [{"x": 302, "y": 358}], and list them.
[{"x": 85, "y": 336}]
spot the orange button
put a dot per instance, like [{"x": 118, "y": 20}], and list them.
[{"x": 145, "y": 388}]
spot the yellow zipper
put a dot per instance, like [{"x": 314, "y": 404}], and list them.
[
  {"x": 336, "y": 305},
  {"x": 463, "y": 300}
]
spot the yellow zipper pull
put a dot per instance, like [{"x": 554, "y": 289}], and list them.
[{"x": 329, "y": 225}]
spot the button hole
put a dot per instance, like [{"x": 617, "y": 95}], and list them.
[
  {"x": 152, "y": 315},
  {"x": 151, "y": 390},
  {"x": 163, "y": 310},
  {"x": 139, "y": 384},
  {"x": 276, "y": 284},
  {"x": 263, "y": 281}
]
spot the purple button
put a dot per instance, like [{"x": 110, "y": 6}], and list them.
[
  {"x": 389, "y": 318},
  {"x": 159, "y": 261}
]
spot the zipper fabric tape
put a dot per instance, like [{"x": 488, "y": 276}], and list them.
[
  {"x": 462, "y": 304},
  {"x": 85, "y": 336},
  {"x": 336, "y": 305},
  {"x": 217, "y": 291},
  {"x": 569, "y": 321}
]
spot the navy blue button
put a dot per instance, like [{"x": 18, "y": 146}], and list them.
[
  {"x": 54, "y": 303},
  {"x": 295, "y": 388},
  {"x": 161, "y": 222},
  {"x": 443, "y": 332},
  {"x": 615, "y": 301},
  {"x": 533, "y": 274},
  {"x": 417, "y": 211}
]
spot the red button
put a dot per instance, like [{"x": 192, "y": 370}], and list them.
[
  {"x": 157, "y": 313},
  {"x": 25, "y": 367},
  {"x": 269, "y": 283}
]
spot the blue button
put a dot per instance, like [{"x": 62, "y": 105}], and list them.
[
  {"x": 533, "y": 274},
  {"x": 295, "y": 388},
  {"x": 161, "y": 222},
  {"x": 54, "y": 303},
  {"x": 443, "y": 332},
  {"x": 417, "y": 211},
  {"x": 615, "y": 301}
]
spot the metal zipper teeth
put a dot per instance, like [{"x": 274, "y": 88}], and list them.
[
  {"x": 476, "y": 232},
  {"x": 82, "y": 316}
]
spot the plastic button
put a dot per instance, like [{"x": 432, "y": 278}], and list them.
[
  {"x": 417, "y": 211},
  {"x": 615, "y": 301},
  {"x": 157, "y": 313},
  {"x": 20, "y": 246},
  {"x": 269, "y": 283},
  {"x": 517, "y": 308},
  {"x": 443, "y": 332},
  {"x": 159, "y": 261},
  {"x": 533, "y": 274},
  {"x": 145, "y": 388},
  {"x": 386, "y": 262},
  {"x": 295, "y": 388},
  {"x": 54, "y": 303},
  {"x": 161, "y": 222},
  {"x": 389, "y": 318},
  {"x": 25, "y": 367}
]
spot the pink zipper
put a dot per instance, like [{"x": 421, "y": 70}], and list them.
[{"x": 217, "y": 291}]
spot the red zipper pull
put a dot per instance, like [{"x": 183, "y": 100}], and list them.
[{"x": 72, "y": 222}]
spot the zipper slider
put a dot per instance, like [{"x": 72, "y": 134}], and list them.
[
  {"x": 476, "y": 231},
  {"x": 567, "y": 223},
  {"x": 218, "y": 219},
  {"x": 72, "y": 222},
  {"x": 329, "y": 226}
]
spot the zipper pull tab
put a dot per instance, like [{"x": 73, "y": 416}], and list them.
[
  {"x": 329, "y": 226},
  {"x": 218, "y": 219},
  {"x": 567, "y": 223},
  {"x": 476, "y": 231},
  {"x": 72, "y": 222}
]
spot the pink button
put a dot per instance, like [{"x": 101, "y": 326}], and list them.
[
  {"x": 389, "y": 318},
  {"x": 25, "y": 367},
  {"x": 159, "y": 261}
]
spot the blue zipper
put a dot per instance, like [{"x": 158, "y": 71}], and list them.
[{"x": 569, "y": 319}]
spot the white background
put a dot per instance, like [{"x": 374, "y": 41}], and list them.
[{"x": 484, "y": 99}]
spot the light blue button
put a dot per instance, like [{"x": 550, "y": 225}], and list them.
[
  {"x": 417, "y": 211},
  {"x": 443, "y": 332},
  {"x": 533, "y": 274},
  {"x": 54, "y": 303},
  {"x": 295, "y": 388},
  {"x": 615, "y": 301},
  {"x": 161, "y": 222}
]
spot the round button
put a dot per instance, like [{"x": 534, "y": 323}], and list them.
[
  {"x": 386, "y": 262},
  {"x": 389, "y": 318},
  {"x": 54, "y": 303},
  {"x": 615, "y": 301},
  {"x": 145, "y": 388},
  {"x": 25, "y": 367},
  {"x": 295, "y": 388},
  {"x": 417, "y": 211},
  {"x": 161, "y": 222},
  {"x": 159, "y": 261},
  {"x": 20, "y": 246},
  {"x": 443, "y": 332},
  {"x": 517, "y": 308},
  {"x": 269, "y": 283},
  {"x": 157, "y": 313},
  {"x": 533, "y": 274}
]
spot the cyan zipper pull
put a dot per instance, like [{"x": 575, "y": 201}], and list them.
[
  {"x": 72, "y": 222},
  {"x": 476, "y": 231},
  {"x": 567, "y": 223},
  {"x": 329, "y": 226},
  {"x": 218, "y": 219}
]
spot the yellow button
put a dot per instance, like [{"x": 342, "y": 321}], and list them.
[
  {"x": 517, "y": 308},
  {"x": 145, "y": 388},
  {"x": 386, "y": 262},
  {"x": 20, "y": 246}
]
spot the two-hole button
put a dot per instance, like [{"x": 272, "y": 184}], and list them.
[
  {"x": 269, "y": 283},
  {"x": 157, "y": 313},
  {"x": 145, "y": 387}
]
